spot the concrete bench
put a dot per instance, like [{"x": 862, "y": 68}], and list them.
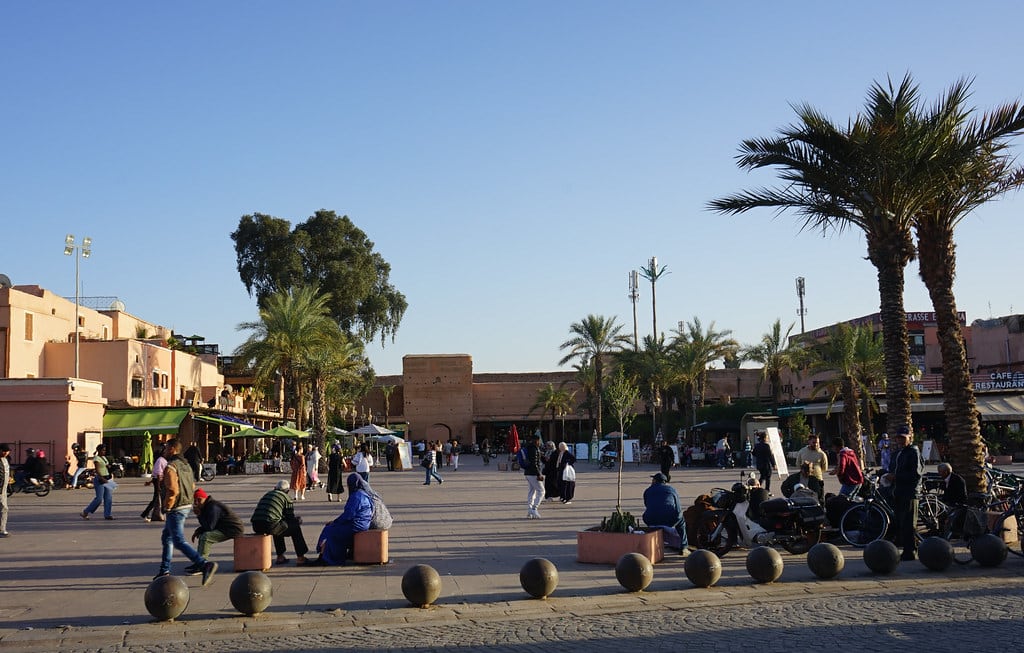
[
  {"x": 252, "y": 552},
  {"x": 370, "y": 547}
]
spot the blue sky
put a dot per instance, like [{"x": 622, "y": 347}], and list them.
[{"x": 511, "y": 160}]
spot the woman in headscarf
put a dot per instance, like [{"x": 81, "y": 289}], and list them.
[
  {"x": 552, "y": 481},
  {"x": 335, "y": 542},
  {"x": 298, "y": 483},
  {"x": 335, "y": 473},
  {"x": 564, "y": 461}
]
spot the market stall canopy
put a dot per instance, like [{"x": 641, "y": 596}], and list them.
[
  {"x": 223, "y": 420},
  {"x": 615, "y": 435},
  {"x": 386, "y": 438},
  {"x": 247, "y": 433},
  {"x": 287, "y": 432},
  {"x": 337, "y": 431},
  {"x": 136, "y": 421},
  {"x": 372, "y": 429}
]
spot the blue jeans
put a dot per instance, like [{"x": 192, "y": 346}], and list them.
[
  {"x": 173, "y": 537},
  {"x": 432, "y": 471},
  {"x": 848, "y": 490},
  {"x": 105, "y": 496},
  {"x": 74, "y": 479}
]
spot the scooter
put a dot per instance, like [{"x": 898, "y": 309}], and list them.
[
  {"x": 749, "y": 518},
  {"x": 25, "y": 487},
  {"x": 607, "y": 460}
]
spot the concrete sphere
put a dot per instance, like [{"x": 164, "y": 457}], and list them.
[
  {"x": 825, "y": 560},
  {"x": 166, "y": 598},
  {"x": 764, "y": 564},
  {"x": 935, "y": 553},
  {"x": 881, "y": 556},
  {"x": 421, "y": 585},
  {"x": 989, "y": 550},
  {"x": 634, "y": 572},
  {"x": 703, "y": 568},
  {"x": 251, "y": 592},
  {"x": 539, "y": 577}
]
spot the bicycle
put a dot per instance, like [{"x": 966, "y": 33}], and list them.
[
  {"x": 965, "y": 523},
  {"x": 870, "y": 520}
]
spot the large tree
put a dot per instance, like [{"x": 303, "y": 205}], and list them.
[
  {"x": 593, "y": 339},
  {"x": 875, "y": 174},
  {"x": 774, "y": 353},
  {"x": 974, "y": 168},
  {"x": 326, "y": 250}
]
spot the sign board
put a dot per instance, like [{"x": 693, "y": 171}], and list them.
[
  {"x": 929, "y": 452},
  {"x": 404, "y": 456},
  {"x": 775, "y": 442}
]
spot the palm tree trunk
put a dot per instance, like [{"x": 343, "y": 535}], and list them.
[
  {"x": 938, "y": 268},
  {"x": 599, "y": 391},
  {"x": 890, "y": 260},
  {"x": 851, "y": 418}
]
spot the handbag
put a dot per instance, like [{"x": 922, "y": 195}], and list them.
[
  {"x": 569, "y": 473},
  {"x": 381, "y": 519}
]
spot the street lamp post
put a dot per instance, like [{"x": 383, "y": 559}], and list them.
[{"x": 79, "y": 251}]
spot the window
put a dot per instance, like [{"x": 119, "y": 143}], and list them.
[
  {"x": 163, "y": 381},
  {"x": 156, "y": 380},
  {"x": 136, "y": 387},
  {"x": 28, "y": 326}
]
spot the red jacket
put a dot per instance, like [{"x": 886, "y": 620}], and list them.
[{"x": 847, "y": 468}]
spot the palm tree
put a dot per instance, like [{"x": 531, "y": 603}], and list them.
[
  {"x": 588, "y": 384},
  {"x": 977, "y": 169},
  {"x": 707, "y": 346},
  {"x": 556, "y": 401},
  {"x": 775, "y": 354},
  {"x": 869, "y": 373},
  {"x": 328, "y": 364},
  {"x": 594, "y": 338},
  {"x": 652, "y": 367},
  {"x": 874, "y": 175},
  {"x": 292, "y": 323}
]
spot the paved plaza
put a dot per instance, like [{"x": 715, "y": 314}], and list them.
[{"x": 75, "y": 585}]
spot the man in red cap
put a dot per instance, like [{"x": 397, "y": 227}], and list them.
[{"x": 217, "y": 523}]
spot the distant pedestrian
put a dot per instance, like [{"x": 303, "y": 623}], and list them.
[
  {"x": 298, "y": 482},
  {"x": 5, "y": 478},
  {"x": 763, "y": 460},
  {"x": 533, "y": 471},
  {"x": 363, "y": 460},
  {"x": 154, "y": 511},
  {"x": 447, "y": 450},
  {"x": 179, "y": 491},
  {"x": 195, "y": 460},
  {"x": 313, "y": 466},
  {"x": 335, "y": 473},
  {"x": 103, "y": 484},
  {"x": 552, "y": 481},
  {"x": 566, "y": 473},
  {"x": 455, "y": 456},
  {"x": 81, "y": 461},
  {"x": 667, "y": 458},
  {"x": 485, "y": 450},
  {"x": 429, "y": 462},
  {"x": 389, "y": 455}
]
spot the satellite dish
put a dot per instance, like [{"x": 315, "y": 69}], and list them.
[
  {"x": 5, "y": 281},
  {"x": 117, "y": 305}
]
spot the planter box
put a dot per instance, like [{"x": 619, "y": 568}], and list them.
[
  {"x": 595, "y": 547},
  {"x": 253, "y": 468}
]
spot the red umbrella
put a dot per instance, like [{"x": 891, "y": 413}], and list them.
[{"x": 513, "y": 440}]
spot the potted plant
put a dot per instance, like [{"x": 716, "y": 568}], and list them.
[{"x": 620, "y": 533}]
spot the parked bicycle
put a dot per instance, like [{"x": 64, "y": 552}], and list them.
[
  {"x": 871, "y": 519},
  {"x": 965, "y": 523}
]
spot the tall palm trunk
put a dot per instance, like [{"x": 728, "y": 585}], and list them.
[
  {"x": 938, "y": 269},
  {"x": 599, "y": 391},
  {"x": 890, "y": 253},
  {"x": 851, "y": 417}
]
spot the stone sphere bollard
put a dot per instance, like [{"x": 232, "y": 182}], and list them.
[
  {"x": 989, "y": 550},
  {"x": 935, "y": 553},
  {"x": 764, "y": 564},
  {"x": 703, "y": 568},
  {"x": 881, "y": 556},
  {"x": 825, "y": 560},
  {"x": 166, "y": 598},
  {"x": 251, "y": 592},
  {"x": 421, "y": 585},
  {"x": 539, "y": 577},
  {"x": 634, "y": 572}
]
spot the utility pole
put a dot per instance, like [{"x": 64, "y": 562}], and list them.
[
  {"x": 634, "y": 294},
  {"x": 801, "y": 311}
]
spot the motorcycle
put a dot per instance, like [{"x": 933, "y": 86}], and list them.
[
  {"x": 25, "y": 487},
  {"x": 749, "y": 518},
  {"x": 207, "y": 471},
  {"x": 116, "y": 469},
  {"x": 607, "y": 460}
]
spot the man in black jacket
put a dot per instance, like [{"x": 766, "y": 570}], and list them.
[
  {"x": 905, "y": 475},
  {"x": 532, "y": 470},
  {"x": 217, "y": 523},
  {"x": 955, "y": 487},
  {"x": 763, "y": 460}
]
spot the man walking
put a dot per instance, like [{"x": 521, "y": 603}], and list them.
[
  {"x": 763, "y": 460},
  {"x": 5, "y": 478},
  {"x": 905, "y": 477},
  {"x": 534, "y": 477},
  {"x": 667, "y": 457},
  {"x": 179, "y": 489}
]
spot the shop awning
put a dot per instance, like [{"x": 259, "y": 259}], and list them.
[
  {"x": 1006, "y": 408},
  {"x": 138, "y": 420},
  {"x": 223, "y": 420}
]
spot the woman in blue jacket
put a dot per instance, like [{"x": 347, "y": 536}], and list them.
[{"x": 335, "y": 543}]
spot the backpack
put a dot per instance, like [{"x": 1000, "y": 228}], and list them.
[{"x": 521, "y": 459}]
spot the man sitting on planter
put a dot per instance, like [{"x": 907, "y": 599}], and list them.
[{"x": 663, "y": 509}]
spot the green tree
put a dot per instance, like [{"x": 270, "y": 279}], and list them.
[
  {"x": 652, "y": 368},
  {"x": 976, "y": 167},
  {"x": 707, "y": 345},
  {"x": 292, "y": 324},
  {"x": 622, "y": 393},
  {"x": 593, "y": 339},
  {"x": 556, "y": 401},
  {"x": 775, "y": 354},
  {"x": 874, "y": 175},
  {"x": 588, "y": 385},
  {"x": 327, "y": 251},
  {"x": 337, "y": 363}
]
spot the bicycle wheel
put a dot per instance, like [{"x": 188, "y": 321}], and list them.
[
  {"x": 863, "y": 524},
  {"x": 931, "y": 513},
  {"x": 711, "y": 538}
]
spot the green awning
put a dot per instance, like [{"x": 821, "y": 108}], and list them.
[{"x": 136, "y": 421}]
